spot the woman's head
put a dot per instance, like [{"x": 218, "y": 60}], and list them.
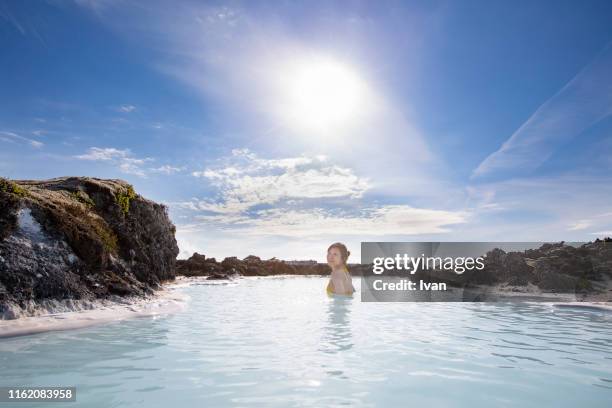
[{"x": 337, "y": 255}]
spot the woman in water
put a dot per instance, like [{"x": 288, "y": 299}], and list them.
[{"x": 340, "y": 282}]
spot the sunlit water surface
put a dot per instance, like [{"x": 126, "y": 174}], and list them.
[{"x": 282, "y": 342}]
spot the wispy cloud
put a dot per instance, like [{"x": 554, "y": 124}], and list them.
[
  {"x": 167, "y": 169},
  {"x": 7, "y": 16},
  {"x": 602, "y": 234},
  {"x": 305, "y": 233},
  {"x": 127, "y": 162},
  {"x": 103, "y": 154},
  {"x": 25, "y": 24},
  {"x": 96, "y": 5},
  {"x": 316, "y": 222},
  {"x": 582, "y": 102},
  {"x": 126, "y": 108},
  {"x": 580, "y": 225},
  {"x": 124, "y": 159},
  {"x": 559, "y": 207},
  {"x": 593, "y": 220},
  {"x": 12, "y": 137},
  {"x": 133, "y": 166}
]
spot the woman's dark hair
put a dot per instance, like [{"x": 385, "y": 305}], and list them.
[{"x": 344, "y": 253}]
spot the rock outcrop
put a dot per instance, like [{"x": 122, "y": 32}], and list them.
[
  {"x": 199, "y": 265},
  {"x": 79, "y": 239},
  {"x": 556, "y": 267}
]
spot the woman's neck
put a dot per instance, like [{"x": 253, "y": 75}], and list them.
[{"x": 340, "y": 268}]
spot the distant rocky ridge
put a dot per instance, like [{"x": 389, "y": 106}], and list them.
[
  {"x": 553, "y": 268},
  {"x": 77, "y": 239},
  {"x": 200, "y": 265}
]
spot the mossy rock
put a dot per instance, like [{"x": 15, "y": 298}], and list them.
[
  {"x": 108, "y": 226},
  {"x": 10, "y": 187},
  {"x": 123, "y": 198},
  {"x": 11, "y": 196},
  {"x": 83, "y": 198}
]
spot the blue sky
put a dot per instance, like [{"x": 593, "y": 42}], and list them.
[{"x": 276, "y": 128}]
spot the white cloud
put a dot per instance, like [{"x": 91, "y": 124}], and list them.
[
  {"x": 126, "y": 161},
  {"x": 126, "y": 108},
  {"x": 247, "y": 180},
  {"x": 129, "y": 165},
  {"x": 580, "y": 225},
  {"x": 599, "y": 220},
  {"x": 377, "y": 221},
  {"x": 122, "y": 158},
  {"x": 103, "y": 154},
  {"x": 12, "y": 137},
  {"x": 306, "y": 200},
  {"x": 167, "y": 169},
  {"x": 603, "y": 234}
]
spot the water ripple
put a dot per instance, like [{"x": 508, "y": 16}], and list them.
[{"x": 281, "y": 342}]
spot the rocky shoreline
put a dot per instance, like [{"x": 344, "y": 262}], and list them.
[
  {"x": 200, "y": 265},
  {"x": 80, "y": 314},
  {"x": 68, "y": 241}
]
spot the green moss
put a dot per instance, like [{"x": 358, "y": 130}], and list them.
[
  {"x": 123, "y": 198},
  {"x": 83, "y": 198},
  {"x": 95, "y": 227},
  {"x": 8, "y": 186},
  {"x": 108, "y": 238}
]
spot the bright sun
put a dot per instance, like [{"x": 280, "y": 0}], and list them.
[{"x": 321, "y": 95}]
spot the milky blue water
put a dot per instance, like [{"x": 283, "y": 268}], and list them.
[{"x": 282, "y": 342}]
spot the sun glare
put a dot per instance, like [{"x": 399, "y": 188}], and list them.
[{"x": 322, "y": 95}]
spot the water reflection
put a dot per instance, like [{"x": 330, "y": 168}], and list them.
[{"x": 337, "y": 334}]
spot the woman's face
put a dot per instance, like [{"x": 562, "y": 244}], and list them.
[{"x": 334, "y": 258}]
